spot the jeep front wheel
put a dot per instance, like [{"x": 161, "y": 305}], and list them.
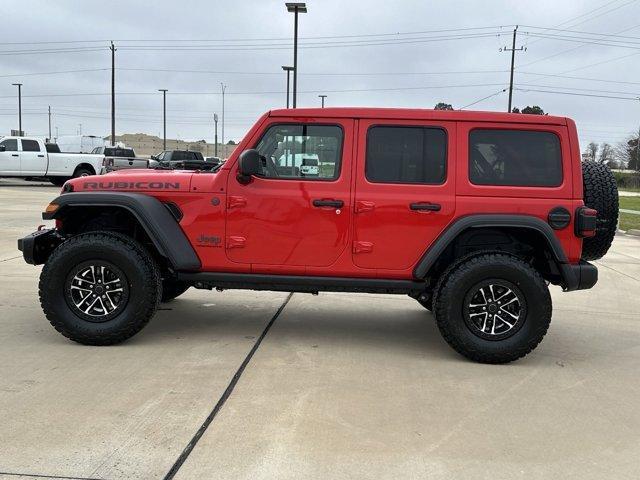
[
  {"x": 493, "y": 308},
  {"x": 99, "y": 288}
]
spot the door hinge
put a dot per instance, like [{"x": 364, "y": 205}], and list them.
[
  {"x": 363, "y": 206},
  {"x": 236, "y": 242},
  {"x": 236, "y": 201},
  {"x": 362, "y": 247}
]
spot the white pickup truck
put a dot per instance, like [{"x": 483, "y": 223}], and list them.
[{"x": 30, "y": 157}]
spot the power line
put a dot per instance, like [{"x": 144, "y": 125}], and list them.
[
  {"x": 483, "y": 98},
  {"x": 635, "y": 99}
]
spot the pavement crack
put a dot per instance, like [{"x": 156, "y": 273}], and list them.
[
  {"x": 37, "y": 475},
  {"x": 227, "y": 393}
]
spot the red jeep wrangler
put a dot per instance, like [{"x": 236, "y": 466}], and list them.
[{"x": 473, "y": 214}]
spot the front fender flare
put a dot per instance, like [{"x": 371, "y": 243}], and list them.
[{"x": 161, "y": 227}]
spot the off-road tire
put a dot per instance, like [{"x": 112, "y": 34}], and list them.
[
  {"x": 455, "y": 285},
  {"x": 601, "y": 194},
  {"x": 172, "y": 289},
  {"x": 142, "y": 280}
]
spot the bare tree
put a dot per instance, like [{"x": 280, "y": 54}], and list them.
[
  {"x": 592, "y": 151},
  {"x": 606, "y": 154}
]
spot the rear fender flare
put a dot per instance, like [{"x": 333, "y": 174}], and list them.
[{"x": 430, "y": 257}]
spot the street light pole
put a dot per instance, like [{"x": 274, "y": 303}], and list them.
[
  {"x": 19, "y": 85},
  {"x": 49, "y": 122},
  {"x": 164, "y": 117},
  {"x": 295, "y": 8},
  {"x": 288, "y": 70},
  {"x": 215, "y": 140},
  {"x": 322, "y": 97}
]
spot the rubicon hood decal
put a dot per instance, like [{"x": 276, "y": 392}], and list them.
[{"x": 131, "y": 185}]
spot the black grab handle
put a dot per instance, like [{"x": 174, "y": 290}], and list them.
[
  {"x": 328, "y": 203},
  {"x": 421, "y": 206}
]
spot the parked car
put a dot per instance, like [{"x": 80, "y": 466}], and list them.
[
  {"x": 119, "y": 158},
  {"x": 213, "y": 160},
  {"x": 170, "y": 158},
  {"x": 473, "y": 214},
  {"x": 31, "y": 157},
  {"x": 79, "y": 143}
]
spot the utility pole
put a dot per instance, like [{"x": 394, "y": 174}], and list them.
[
  {"x": 164, "y": 116},
  {"x": 113, "y": 94},
  {"x": 322, "y": 97},
  {"x": 80, "y": 129},
  {"x": 49, "y": 122},
  {"x": 513, "y": 51},
  {"x": 19, "y": 85},
  {"x": 215, "y": 138},
  {"x": 295, "y": 8},
  {"x": 224, "y": 87}
]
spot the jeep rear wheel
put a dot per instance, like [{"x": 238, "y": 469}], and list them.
[
  {"x": 601, "y": 194},
  {"x": 493, "y": 308},
  {"x": 99, "y": 288}
]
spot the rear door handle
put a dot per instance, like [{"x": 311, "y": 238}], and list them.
[
  {"x": 328, "y": 203},
  {"x": 424, "y": 206},
  {"x": 14, "y": 154}
]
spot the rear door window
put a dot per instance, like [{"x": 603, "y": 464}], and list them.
[
  {"x": 30, "y": 146},
  {"x": 398, "y": 154},
  {"x": 521, "y": 158}
]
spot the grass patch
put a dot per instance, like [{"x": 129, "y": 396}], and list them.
[
  {"x": 630, "y": 203},
  {"x": 629, "y": 221}
]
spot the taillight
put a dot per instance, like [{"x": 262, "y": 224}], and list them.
[
  {"x": 107, "y": 162},
  {"x": 586, "y": 222}
]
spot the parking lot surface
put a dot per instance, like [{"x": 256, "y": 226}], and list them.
[{"x": 341, "y": 385}]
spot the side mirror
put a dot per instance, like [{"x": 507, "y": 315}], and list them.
[
  {"x": 249, "y": 164},
  {"x": 154, "y": 157},
  {"x": 3, "y": 148}
]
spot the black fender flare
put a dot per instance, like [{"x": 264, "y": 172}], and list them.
[
  {"x": 159, "y": 224},
  {"x": 492, "y": 220}
]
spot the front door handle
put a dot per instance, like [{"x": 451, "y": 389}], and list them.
[
  {"x": 14, "y": 154},
  {"x": 328, "y": 203},
  {"x": 41, "y": 156},
  {"x": 425, "y": 206}
]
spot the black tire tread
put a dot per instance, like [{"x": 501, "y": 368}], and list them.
[
  {"x": 443, "y": 297},
  {"x": 601, "y": 194},
  {"x": 96, "y": 241}
]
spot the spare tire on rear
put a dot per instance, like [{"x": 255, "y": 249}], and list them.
[{"x": 601, "y": 194}]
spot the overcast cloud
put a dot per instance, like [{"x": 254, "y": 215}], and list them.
[{"x": 419, "y": 62}]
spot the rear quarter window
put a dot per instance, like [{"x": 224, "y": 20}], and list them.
[{"x": 520, "y": 158}]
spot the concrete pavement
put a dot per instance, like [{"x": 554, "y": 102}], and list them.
[{"x": 342, "y": 386}]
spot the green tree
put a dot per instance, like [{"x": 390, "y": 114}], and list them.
[
  {"x": 535, "y": 110},
  {"x": 443, "y": 106}
]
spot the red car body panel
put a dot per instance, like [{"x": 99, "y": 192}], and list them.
[{"x": 270, "y": 225}]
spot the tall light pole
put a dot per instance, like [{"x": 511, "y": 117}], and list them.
[
  {"x": 295, "y": 8},
  {"x": 322, "y": 97},
  {"x": 19, "y": 85},
  {"x": 49, "y": 122},
  {"x": 113, "y": 94},
  {"x": 288, "y": 70},
  {"x": 215, "y": 139},
  {"x": 164, "y": 116},
  {"x": 224, "y": 87}
]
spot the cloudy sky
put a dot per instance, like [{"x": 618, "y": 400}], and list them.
[{"x": 582, "y": 60}]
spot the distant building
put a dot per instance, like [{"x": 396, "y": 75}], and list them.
[{"x": 145, "y": 145}]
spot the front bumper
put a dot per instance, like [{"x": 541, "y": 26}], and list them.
[
  {"x": 582, "y": 276},
  {"x": 37, "y": 247}
]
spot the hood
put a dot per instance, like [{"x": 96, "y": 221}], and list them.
[{"x": 133, "y": 180}]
